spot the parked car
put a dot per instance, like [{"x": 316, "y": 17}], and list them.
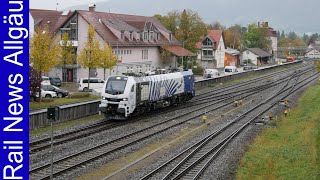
[
  {"x": 249, "y": 67},
  {"x": 95, "y": 83},
  {"x": 45, "y": 80},
  {"x": 210, "y": 73},
  {"x": 46, "y": 94},
  {"x": 55, "y": 81},
  {"x": 60, "y": 92},
  {"x": 230, "y": 70}
]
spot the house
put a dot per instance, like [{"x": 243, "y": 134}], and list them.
[
  {"x": 232, "y": 57},
  {"x": 312, "y": 53},
  {"x": 256, "y": 56},
  {"x": 136, "y": 40},
  {"x": 211, "y": 50}
]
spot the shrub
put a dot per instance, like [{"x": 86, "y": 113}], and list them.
[
  {"x": 198, "y": 70},
  {"x": 79, "y": 95}
]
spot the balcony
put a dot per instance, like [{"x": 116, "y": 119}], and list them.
[
  {"x": 207, "y": 57},
  {"x": 207, "y": 46},
  {"x": 74, "y": 43}
]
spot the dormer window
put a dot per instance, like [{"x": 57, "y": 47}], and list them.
[
  {"x": 151, "y": 36},
  {"x": 130, "y": 36},
  {"x": 145, "y": 36},
  {"x": 158, "y": 36},
  {"x": 122, "y": 35},
  {"x": 170, "y": 36}
]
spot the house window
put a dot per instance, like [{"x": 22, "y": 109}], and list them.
[
  {"x": 130, "y": 36},
  {"x": 145, "y": 36},
  {"x": 170, "y": 37},
  {"x": 121, "y": 52},
  {"x": 71, "y": 28},
  {"x": 151, "y": 36},
  {"x": 125, "y": 51},
  {"x": 158, "y": 36},
  {"x": 144, "y": 53},
  {"x": 122, "y": 35},
  {"x": 130, "y": 51}
]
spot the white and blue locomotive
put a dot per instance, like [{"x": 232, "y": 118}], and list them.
[{"x": 125, "y": 96}]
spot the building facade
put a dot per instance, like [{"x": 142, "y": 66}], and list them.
[
  {"x": 312, "y": 53},
  {"x": 137, "y": 41},
  {"x": 255, "y": 56},
  {"x": 211, "y": 50}
]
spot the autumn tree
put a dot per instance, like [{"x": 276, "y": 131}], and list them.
[
  {"x": 164, "y": 55},
  {"x": 187, "y": 26},
  {"x": 233, "y": 35},
  {"x": 44, "y": 51},
  {"x": 108, "y": 59},
  {"x": 256, "y": 37},
  {"x": 68, "y": 54},
  {"x": 90, "y": 56}
]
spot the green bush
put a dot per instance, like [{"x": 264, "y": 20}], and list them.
[
  {"x": 198, "y": 70},
  {"x": 79, "y": 95}
]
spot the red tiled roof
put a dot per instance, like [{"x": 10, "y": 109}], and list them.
[
  {"x": 178, "y": 50},
  {"x": 101, "y": 20},
  {"x": 54, "y": 19},
  {"x": 214, "y": 35}
]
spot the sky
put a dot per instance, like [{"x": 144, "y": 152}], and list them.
[{"x": 300, "y": 16}]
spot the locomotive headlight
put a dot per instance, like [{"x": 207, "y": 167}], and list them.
[{"x": 125, "y": 99}]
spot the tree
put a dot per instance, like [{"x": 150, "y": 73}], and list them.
[
  {"x": 90, "y": 55},
  {"x": 68, "y": 54},
  {"x": 170, "y": 21},
  {"x": 217, "y": 26},
  {"x": 191, "y": 29},
  {"x": 292, "y": 35},
  {"x": 187, "y": 26},
  {"x": 305, "y": 38},
  {"x": 233, "y": 35},
  {"x": 164, "y": 55},
  {"x": 256, "y": 37},
  {"x": 44, "y": 51},
  {"x": 109, "y": 60},
  {"x": 282, "y": 35}
]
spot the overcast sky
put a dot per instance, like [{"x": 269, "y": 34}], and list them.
[{"x": 300, "y": 16}]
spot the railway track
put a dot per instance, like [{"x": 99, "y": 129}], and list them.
[
  {"x": 91, "y": 154},
  {"x": 192, "y": 162},
  {"x": 219, "y": 94}
]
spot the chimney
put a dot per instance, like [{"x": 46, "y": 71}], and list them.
[{"x": 92, "y": 7}]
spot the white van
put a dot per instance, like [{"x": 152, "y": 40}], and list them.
[
  {"x": 45, "y": 80},
  {"x": 230, "y": 69},
  {"x": 95, "y": 83},
  {"x": 210, "y": 73}
]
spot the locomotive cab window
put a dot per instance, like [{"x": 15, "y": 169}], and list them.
[{"x": 116, "y": 86}]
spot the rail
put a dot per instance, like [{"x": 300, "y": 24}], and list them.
[{"x": 69, "y": 112}]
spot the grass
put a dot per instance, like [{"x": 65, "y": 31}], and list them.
[
  {"x": 291, "y": 149},
  {"x": 68, "y": 124},
  {"x": 59, "y": 101}
]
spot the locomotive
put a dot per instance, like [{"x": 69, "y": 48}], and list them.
[{"x": 126, "y": 96}]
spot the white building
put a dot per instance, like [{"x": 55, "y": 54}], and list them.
[
  {"x": 312, "y": 53},
  {"x": 256, "y": 56},
  {"x": 211, "y": 50},
  {"x": 136, "y": 40}
]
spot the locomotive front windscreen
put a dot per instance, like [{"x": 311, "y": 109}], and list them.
[{"x": 116, "y": 85}]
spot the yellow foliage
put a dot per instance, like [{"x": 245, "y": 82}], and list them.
[
  {"x": 90, "y": 55},
  {"x": 67, "y": 51},
  {"x": 44, "y": 50},
  {"x": 108, "y": 58}
]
